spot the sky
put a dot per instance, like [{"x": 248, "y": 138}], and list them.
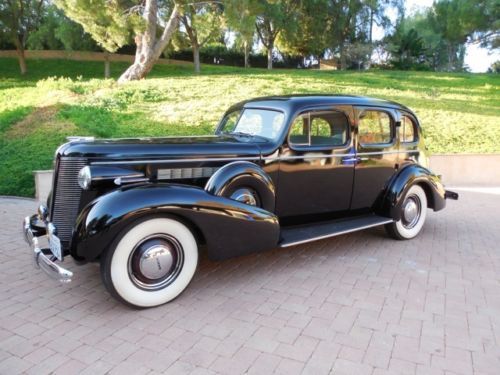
[{"x": 476, "y": 58}]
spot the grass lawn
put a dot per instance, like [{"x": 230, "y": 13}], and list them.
[{"x": 460, "y": 113}]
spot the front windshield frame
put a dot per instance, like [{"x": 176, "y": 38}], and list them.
[{"x": 241, "y": 110}]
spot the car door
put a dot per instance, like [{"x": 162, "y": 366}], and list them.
[
  {"x": 376, "y": 154},
  {"x": 316, "y": 170}
]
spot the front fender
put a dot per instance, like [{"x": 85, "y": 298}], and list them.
[
  {"x": 258, "y": 179},
  {"x": 395, "y": 192},
  {"x": 230, "y": 228}
]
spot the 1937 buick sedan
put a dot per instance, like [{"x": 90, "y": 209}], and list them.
[{"x": 279, "y": 171}]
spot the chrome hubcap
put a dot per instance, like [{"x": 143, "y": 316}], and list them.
[
  {"x": 411, "y": 211},
  {"x": 155, "y": 262},
  {"x": 245, "y": 196}
]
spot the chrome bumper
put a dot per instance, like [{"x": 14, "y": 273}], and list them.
[{"x": 43, "y": 257}]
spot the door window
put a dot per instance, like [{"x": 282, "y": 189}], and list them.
[
  {"x": 328, "y": 128},
  {"x": 375, "y": 127},
  {"x": 407, "y": 131}
]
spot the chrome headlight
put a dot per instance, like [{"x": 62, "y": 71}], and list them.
[{"x": 85, "y": 178}]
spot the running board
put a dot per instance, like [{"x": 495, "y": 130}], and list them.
[{"x": 307, "y": 233}]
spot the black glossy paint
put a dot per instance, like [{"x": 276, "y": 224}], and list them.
[
  {"x": 400, "y": 183},
  {"x": 316, "y": 180},
  {"x": 228, "y": 227},
  {"x": 302, "y": 185},
  {"x": 243, "y": 173},
  {"x": 162, "y": 148}
]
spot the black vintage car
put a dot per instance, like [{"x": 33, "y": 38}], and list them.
[{"x": 279, "y": 171}]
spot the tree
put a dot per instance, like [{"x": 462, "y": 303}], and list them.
[
  {"x": 408, "y": 48},
  {"x": 112, "y": 23},
  {"x": 358, "y": 54},
  {"x": 344, "y": 26},
  {"x": 495, "y": 67},
  {"x": 446, "y": 18},
  {"x": 271, "y": 19},
  {"x": 18, "y": 18},
  {"x": 57, "y": 32},
  {"x": 240, "y": 16},
  {"x": 307, "y": 36},
  {"x": 201, "y": 24},
  {"x": 465, "y": 21}
]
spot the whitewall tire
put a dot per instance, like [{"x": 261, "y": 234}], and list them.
[
  {"x": 413, "y": 215},
  {"x": 150, "y": 263}
]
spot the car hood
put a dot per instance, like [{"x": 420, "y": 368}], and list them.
[{"x": 158, "y": 148}]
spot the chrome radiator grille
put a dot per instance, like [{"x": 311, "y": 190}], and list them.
[{"x": 66, "y": 199}]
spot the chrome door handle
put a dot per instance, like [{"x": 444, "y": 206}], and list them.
[{"x": 351, "y": 160}]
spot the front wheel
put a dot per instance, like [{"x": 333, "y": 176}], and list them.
[
  {"x": 413, "y": 214},
  {"x": 151, "y": 263}
]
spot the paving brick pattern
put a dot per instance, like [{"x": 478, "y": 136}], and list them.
[{"x": 355, "y": 304}]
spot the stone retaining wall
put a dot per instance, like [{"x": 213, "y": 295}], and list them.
[
  {"x": 84, "y": 56},
  {"x": 467, "y": 169}
]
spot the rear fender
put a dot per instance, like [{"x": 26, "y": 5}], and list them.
[
  {"x": 414, "y": 174},
  {"x": 230, "y": 228}
]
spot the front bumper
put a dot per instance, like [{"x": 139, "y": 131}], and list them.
[{"x": 43, "y": 257}]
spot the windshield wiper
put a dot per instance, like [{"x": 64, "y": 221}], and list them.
[{"x": 243, "y": 134}]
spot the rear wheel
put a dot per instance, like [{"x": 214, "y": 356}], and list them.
[
  {"x": 151, "y": 263},
  {"x": 413, "y": 215}
]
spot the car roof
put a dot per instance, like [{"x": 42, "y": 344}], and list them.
[{"x": 292, "y": 103}]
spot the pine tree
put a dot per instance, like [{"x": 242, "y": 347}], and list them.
[
  {"x": 18, "y": 18},
  {"x": 114, "y": 23}
]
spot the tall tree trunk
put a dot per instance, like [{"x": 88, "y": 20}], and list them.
[
  {"x": 371, "y": 26},
  {"x": 20, "y": 55},
  {"x": 245, "y": 46},
  {"x": 106, "y": 65},
  {"x": 343, "y": 60},
  {"x": 196, "y": 57},
  {"x": 450, "y": 57},
  {"x": 270, "y": 55},
  {"x": 149, "y": 49}
]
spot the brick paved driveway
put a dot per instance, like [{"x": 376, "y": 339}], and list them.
[{"x": 356, "y": 304}]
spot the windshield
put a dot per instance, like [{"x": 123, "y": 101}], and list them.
[{"x": 251, "y": 122}]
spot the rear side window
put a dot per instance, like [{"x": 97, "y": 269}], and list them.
[
  {"x": 326, "y": 128},
  {"x": 375, "y": 127},
  {"x": 407, "y": 131}
]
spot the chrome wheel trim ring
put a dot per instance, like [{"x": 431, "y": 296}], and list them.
[
  {"x": 155, "y": 262},
  {"x": 412, "y": 209}
]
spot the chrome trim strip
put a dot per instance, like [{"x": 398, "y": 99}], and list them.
[
  {"x": 185, "y": 173},
  {"x": 315, "y": 156},
  {"x": 159, "y": 161},
  {"x": 387, "y": 152},
  {"x": 337, "y": 233}
]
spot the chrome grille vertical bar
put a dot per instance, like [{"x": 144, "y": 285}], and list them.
[{"x": 66, "y": 199}]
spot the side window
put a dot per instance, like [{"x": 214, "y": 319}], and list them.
[
  {"x": 407, "y": 133},
  {"x": 299, "y": 132},
  {"x": 374, "y": 127},
  {"x": 328, "y": 128}
]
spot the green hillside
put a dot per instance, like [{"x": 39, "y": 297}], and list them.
[{"x": 460, "y": 113}]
